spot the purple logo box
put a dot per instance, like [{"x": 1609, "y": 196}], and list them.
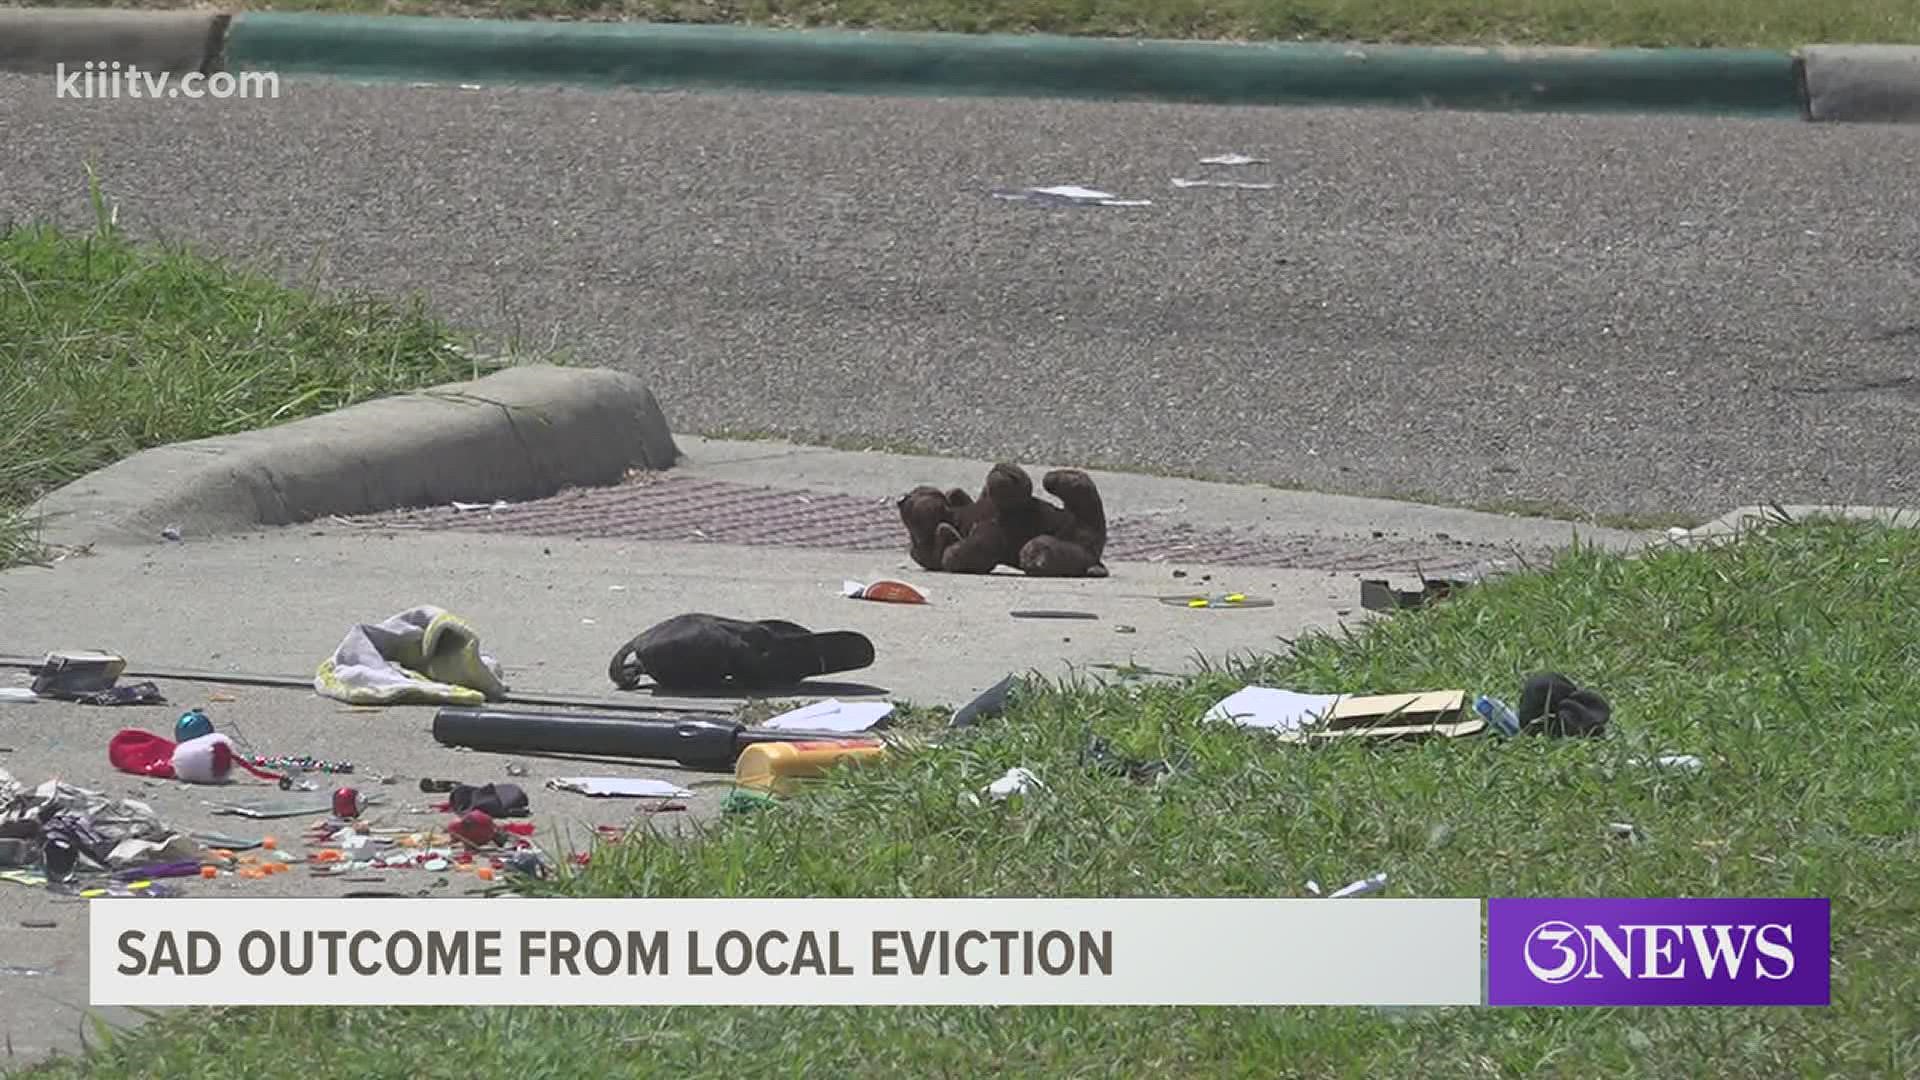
[{"x": 1658, "y": 952}]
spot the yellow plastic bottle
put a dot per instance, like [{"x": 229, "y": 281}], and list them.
[{"x": 779, "y": 767}]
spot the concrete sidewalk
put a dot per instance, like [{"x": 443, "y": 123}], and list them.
[{"x": 554, "y": 610}]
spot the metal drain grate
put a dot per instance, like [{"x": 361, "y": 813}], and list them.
[{"x": 695, "y": 510}]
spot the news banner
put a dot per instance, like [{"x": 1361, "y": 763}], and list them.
[{"x": 1374, "y": 951}]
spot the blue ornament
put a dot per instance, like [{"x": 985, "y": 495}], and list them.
[{"x": 193, "y": 724}]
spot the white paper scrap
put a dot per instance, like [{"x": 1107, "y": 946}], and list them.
[
  {"x": 1234, "y": 185},
  {"x": 1072, "y": 194},
  {"x": 1232, "y": 159},
  {"x": 1271, "y": 710},
  {"x": 1075, "y": 192},
  {"x": 1361, "y": 888},
  {"x": 622, "y": 787},
  {"x": 832, "y": 715},
  {"x": 1017, "y": 781}
]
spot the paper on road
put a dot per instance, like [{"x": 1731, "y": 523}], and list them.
[
  {"x": 627, "y": 787},
  {"x": 832, "y": 715}
]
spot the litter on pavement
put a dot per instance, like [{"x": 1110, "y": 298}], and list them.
[
  {"x": 1067, "y": 195},
  {"x": 1223, "y": 601},
  {"x": 86, "y": 677},
  {"x": 421, "y": 655},
  {"x": 1377, "y": 594},
  {"x": 268, "y": 807},
  {"x": 1232, "y": 160},
  {"x": 209, "y": 759},
  {"x": 1231, "y": 185},
  {"x": 620, "y": 787},
  {"x": 833, "y": 715},
  {"x": 495, "y": 800},
  {"x": 891, "y": 592},
  {"x": 714, "y": 652}
]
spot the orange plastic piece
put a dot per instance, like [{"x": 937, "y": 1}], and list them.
[
  {"x": 209, "y": 871},
  {"x": 484, "y": 873},
  {"x": 269, "y": 843},
  {"x": 251, "y": 872},
  {"x": 894, "y": 592},
  {"x": 328, "y": 855}
]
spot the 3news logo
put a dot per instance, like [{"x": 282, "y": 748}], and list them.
[{"x": 1591, "y": 951}]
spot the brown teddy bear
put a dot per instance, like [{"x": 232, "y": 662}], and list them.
[{"x": 953, "y": 532}]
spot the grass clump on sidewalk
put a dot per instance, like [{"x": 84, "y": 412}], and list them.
[
  {"x": 1788, "y": 663},
  {"x": 107, "y": 348},
  {"x": 1701, "y": 23}
]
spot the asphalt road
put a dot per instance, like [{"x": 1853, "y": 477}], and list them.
[{"x": 1614, "y": 314}]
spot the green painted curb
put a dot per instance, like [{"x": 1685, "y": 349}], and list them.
[{"x": 661, "y": 55}]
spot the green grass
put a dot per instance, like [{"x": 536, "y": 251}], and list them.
[
  {"x": 107, "y": 348},
  {"x": 1771, "y": 23},
  {"x": 1791, "y": 663}
]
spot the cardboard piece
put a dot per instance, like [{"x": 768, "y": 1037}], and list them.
[{"x": 1386, "y": 717}]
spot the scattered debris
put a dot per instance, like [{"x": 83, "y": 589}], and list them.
[
  {"x": 1377, "y": 594},
  {"x": 1017, "y": 781},
  {"x": 348, "y": 803},
  {"x": 88, "y": 678},
  {"x": 990, "y": 703},
  {"x": 1271, "y": 709},
  {"x": 171, "y": 532},
  {"x": 1683, "y": 762},
  {"x": 1365, "y": 885},
  {"x": 1498, "y": 715},
  {"x": 271, "y": 807},
  {"x": 494, "y": 800},
  {"x": 1101, "y": 755},
  {"x": 470, "y": 507},
  {"x": 208, "y": 759},
  {"x": 891, "y": 592},
  {"x": 18, "y": 694},
  {"x": 39, "y": 924},
  {"x": 833, "y": 715},
  {"x": 1067, "y": 195},
  {"x": 1232, "y": 160},
  {"x": 780, "y": 767},
  {"x": 1050, "y": 614},
  {"x": 1223, "y": 601},
  {"x": 713, "y": 652},
  {"x": 620, "y": 787},
  {"x": 423, "y": 654},
  {"x": 1623, "y": 830},
  {"x": 1552, "y": 704},
  {"x": 1234, "y": 185},
  {"x": 1297, "y": 717},
  {"x": 1123, "y": 628},
  {"x": 746, "y": 800}
]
